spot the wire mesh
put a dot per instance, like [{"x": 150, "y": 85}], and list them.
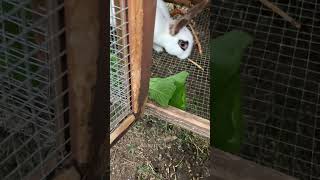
[
  {"x": 33, "y": 91},
  {"x": 198, "y": 91},
  {"x": 120, "y": 106},
  {"x": 281, "y": 74}
]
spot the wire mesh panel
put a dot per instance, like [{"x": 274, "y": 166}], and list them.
[
  {"x": 120, "y": 106},
  {"x": 281, "y": 74},
  {"x": 33, "y": 91},
  {"x": 198, "y": 92}
]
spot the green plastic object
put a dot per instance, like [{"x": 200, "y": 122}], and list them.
[{"x": 227, "y": 124}]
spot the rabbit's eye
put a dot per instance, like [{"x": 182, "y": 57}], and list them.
[{"x": 183, "y": 44}]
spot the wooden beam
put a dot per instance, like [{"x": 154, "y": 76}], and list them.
[
  {"x": 182, "y": 119},
  {"x": 87, "y": 68},
  {"x": 141, "y": 27},
  {"x": 226, "y": 166},
  {"x": 121, "y": 129},
  {"x": 97, "y": 163}
]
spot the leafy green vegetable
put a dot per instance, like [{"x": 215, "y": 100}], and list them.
[
  {"x": 178, "y": 99},
  {"x": 225, "y": 114},
  {"x": 170, "y": 90},
  {"x": 161, "y": 90}
]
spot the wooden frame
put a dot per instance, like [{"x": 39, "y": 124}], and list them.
[
  {"x": 182, "y": 119},
  {"x": 87, "y": 69},
  {"x": 229, "y": 167},
  {"x": 141, "y": 17}
]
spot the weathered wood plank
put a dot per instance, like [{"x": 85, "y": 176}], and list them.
[
  {"x": 182, "y": 119},
  {"x": 124, "y": 125},
  {"x": 230, "y": 167},
  {"x": 141, "y": 26}
]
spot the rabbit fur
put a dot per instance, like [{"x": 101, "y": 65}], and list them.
[{"x": 179, "y": 45}]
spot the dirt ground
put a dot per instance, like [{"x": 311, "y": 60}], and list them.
[{"x": 155, "y": 149}]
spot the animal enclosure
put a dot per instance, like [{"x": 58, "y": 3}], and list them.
[
  {"x": 281, "y": 75},
  {"x": 120, "y": 103},
  {"x": 130, "y": 59},
  {"x": 33, "y": 91},
  {"x": 123, "y": 22},
  {"x": 39, "y": 87},
  {"x": 196, "y": 115}
]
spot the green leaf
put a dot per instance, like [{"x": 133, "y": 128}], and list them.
[
  {"x": 178, "y": 99},
  {"x": 161, "y": 90},
  {"x": 170, "y": 90},
  {"x": 226, "y": 117}
]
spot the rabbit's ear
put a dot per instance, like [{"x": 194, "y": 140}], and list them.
[{"x": 186, "y": 18}]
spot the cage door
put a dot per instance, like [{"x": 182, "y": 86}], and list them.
[{"x": 131, "y": 38}]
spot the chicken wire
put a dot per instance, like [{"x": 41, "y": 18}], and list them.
[
  {"x": 120, "y": 103},
  {"x": 33, "y": 106},
  {"x": 198, "y": 91},
  {"x": 281, "y": 76}
]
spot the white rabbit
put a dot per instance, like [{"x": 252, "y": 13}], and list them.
[{"x": 179, "y": 45}]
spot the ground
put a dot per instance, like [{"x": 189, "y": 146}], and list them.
[{"x": 155, "y": 149}]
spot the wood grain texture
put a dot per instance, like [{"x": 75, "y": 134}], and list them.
[
  {"x": 141, "y": 26},
  {"x": 124, "y": 125},
  {"x": 182, "y": 119},
  {"x": 83, "y": 45},
  {"x": 226, "y": 166},
  {"x": 97, "y": 163},
  {"x": 136, "y": 35}
]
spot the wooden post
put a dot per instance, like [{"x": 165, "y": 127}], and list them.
[
  {"x": 85, "y": 39},
  {"x": 141, "y": 26}
]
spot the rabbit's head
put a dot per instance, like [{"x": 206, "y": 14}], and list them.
[{"x": 179, "y": 45}]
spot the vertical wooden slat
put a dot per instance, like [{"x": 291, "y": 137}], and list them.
[
  {"x": 98, "y": 144},
  {"x": 55, "y": 59},
  {"x": 141, "y": 26},
  {"x": 84, "y": 46}
]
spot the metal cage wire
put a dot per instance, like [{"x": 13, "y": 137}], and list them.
[
  {"x": 120, "y": 89},
  {"x": 33, "y": 106},
  {"x": 198, "y": 90},
  {"x": 281, "y": 74}
]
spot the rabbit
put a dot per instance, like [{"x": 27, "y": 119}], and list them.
[{"x": 179, "y": 45}]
